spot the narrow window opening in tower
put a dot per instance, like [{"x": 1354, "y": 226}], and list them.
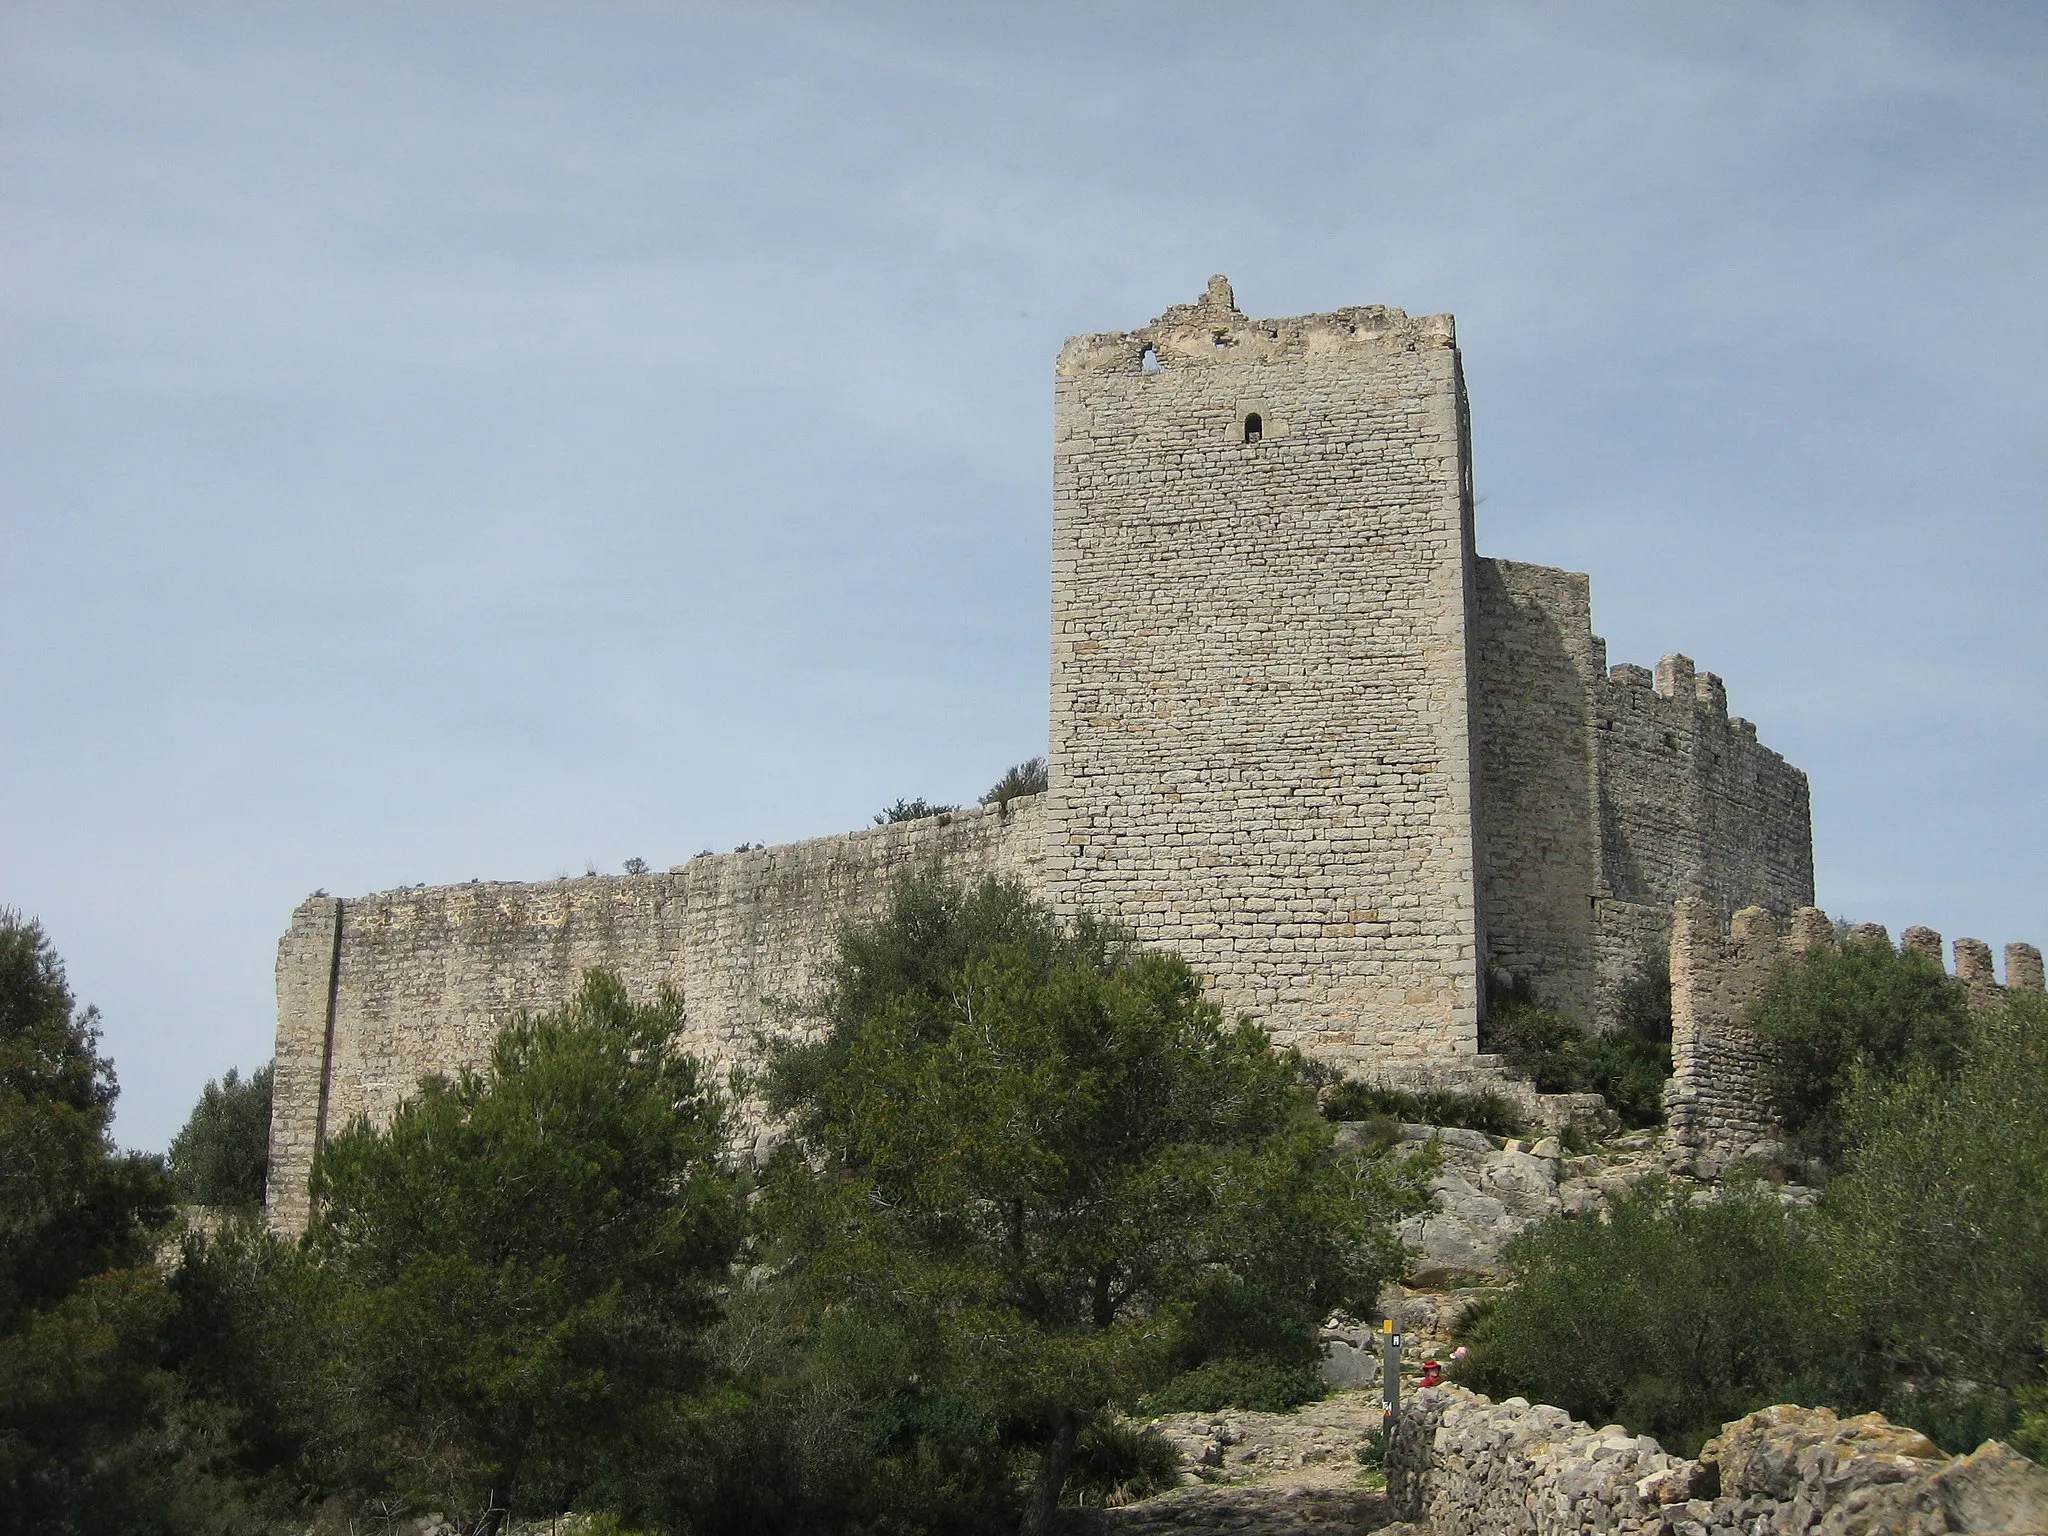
[
  {"x": 1150, "y": 361},
  {"x": 1254, "y": 427}
]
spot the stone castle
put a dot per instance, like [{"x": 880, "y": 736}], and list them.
[{"x": 1301, "y": 731}]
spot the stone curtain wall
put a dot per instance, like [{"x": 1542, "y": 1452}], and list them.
[
  {"x": 1260, "y": 702},
  {"x": 1537, "y": 664},
  {"x": 374, "y": 993},
  {"x": 1603, "y": 798},
  {"x": 1691, "y": 803},
  {"x": 1716, "y": 1101},
  {"x": 1627, "y": 937},
  {"x": 1471, "y": 1467}
]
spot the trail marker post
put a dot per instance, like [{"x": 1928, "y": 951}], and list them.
[{"x": 1390, "y": 1377}]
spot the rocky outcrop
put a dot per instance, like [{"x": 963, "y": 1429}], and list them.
[
  {"x": 1489, "y": 1188},
  {"x": 1471, "y": 1467}
]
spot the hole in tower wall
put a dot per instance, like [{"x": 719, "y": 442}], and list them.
[
  {"x": 1150, "y": 361},
  {"x": 1254, "y": 427}
]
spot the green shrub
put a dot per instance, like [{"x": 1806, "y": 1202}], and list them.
[
  {"x": 1372, "y": 1450},
  {"x": 1236, "y": 1381},
  {"x": 2030, "y": 1432},
  {"x": 222, "y": 1155},
  {"x": 1832, "y": 1014},
  {"x": 1629, "y": 1073},
  {"x": 1941, "y": 1220},
  {"x": 1047, "y": 1142},
  {"x": 1117, "y": 1464},
  {"x": 518, "y": 1270},
  {"x": 1628, "y": 1065},
  {"x": 1669, "y": 1317},
  {"x": 1542, "y": 1043},
  {"x": 1481, "y": 1110}
]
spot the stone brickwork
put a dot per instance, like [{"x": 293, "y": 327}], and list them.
[
  {"x": 1299, "y": 731},
  {"x": 1539, "y": 668},
  {"x": 1606, "y": 796},
  {"x": 375, "y": 993},
  {"x": 1262, "y": 598},
  {"x": 1718, "y": 1108},
  {"x": 1691, "y": 803}
]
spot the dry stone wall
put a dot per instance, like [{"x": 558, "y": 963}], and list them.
[
  {"x": 377, "y": 992},
  {"x": 1467, "y": 1466},
  {"x": 1260, "y": 732}
]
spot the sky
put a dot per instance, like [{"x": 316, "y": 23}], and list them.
[{"x": 447, "y": 440}]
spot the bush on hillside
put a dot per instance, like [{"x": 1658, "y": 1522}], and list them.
[
  {"x": 516, "y": 1273},
  {"x": 222, "y": 1156},
  {"x": 1918, "y": 1287},
  {"x": 1117, "y": 1464},
  {"x": 91, "y": 1437},
  {"x": 1832, "y": 1017},
  {"x": 1047, "y": 1142},
  {"x": 847, "y": 1420},
  {"x": 1667, "y": 1316},
  {"x": 1940, "y": 1221},
  {"x": 1240, "y": 1347}
]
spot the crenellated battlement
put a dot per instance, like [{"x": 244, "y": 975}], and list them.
[
  {"x": 1719, "y": 968},
  {"x": 1677, "y": 683}
]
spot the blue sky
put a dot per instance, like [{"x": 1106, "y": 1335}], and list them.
[{"x": 445, "y": 440}]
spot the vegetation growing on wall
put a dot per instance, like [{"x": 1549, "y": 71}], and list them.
[
  {"x": 1026, "y": 778},
  {"x": 1481, "y": 1109},
  {"x": 910, "y": 810}
]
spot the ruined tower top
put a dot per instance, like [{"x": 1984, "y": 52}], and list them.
[{"x": 1213, "y": 329}]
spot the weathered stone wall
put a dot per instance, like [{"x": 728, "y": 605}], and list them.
[
  {"x": 1471, "y": 1467},
  {"x": 1627, "y": 938},
  {"x": 1261, "y": 711},
  {"x": 1537, "y": 666},
  {"x": 1691, "y": 803},
  {"x": 1604, "y": 797},
  {"x": 376, "y": 992},
  {"x": 1718, "y": 1107}
]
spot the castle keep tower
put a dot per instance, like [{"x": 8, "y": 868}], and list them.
[
  {"x": 1261, "y": 696},
  {"x": 1300, "y": 731}
]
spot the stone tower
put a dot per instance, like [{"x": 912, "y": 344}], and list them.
[
  {"x": 1261, "y": 741},
  {"x": 1300, "y": 731}
]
